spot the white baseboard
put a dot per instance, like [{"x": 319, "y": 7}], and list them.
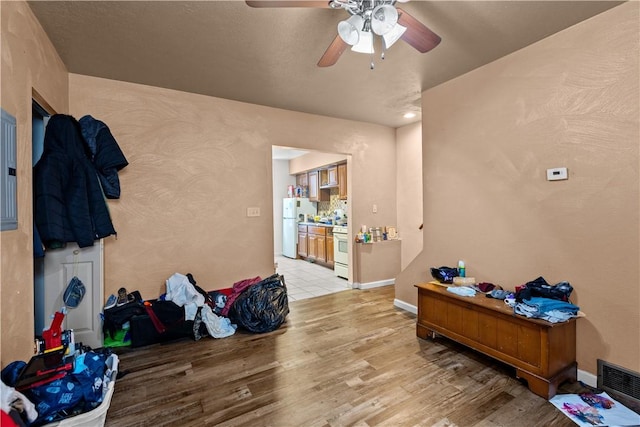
[
  {"x": 587, "y": 378},
  {"x": 405, "y": 306},
  {"x": 377, "y": 284}
]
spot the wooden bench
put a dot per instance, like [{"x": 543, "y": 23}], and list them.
[{"x": 543, "y": 353}]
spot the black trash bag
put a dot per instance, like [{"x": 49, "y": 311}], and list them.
[
  {"x": 540, "y": 288},
  {"x": 262, "y": 307},
  {"x": 444, "y": 274}
]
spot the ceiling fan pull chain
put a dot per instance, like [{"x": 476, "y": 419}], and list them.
[{"x": 372, "y": 40}]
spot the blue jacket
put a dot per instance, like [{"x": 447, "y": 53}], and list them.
[
  {"x": 106, "y": 155},
  {"x": 68, "y": 199}
]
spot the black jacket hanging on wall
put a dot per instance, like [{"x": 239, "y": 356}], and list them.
[
  {"x": 106, "y": 155},
  {"x": 69, "y": 203}
]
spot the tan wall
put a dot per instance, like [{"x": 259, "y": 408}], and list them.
[
  {"x": 376, "y": 262},
  {"x": 314, "y": 160},
  {"x": 570, "y": 100},
  {"x": 409, "y": 190},
  {"x": 28, "y": 62},
  {"x": 196, "y": 164}
]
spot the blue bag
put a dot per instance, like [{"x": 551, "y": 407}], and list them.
[{"x": 74, "y": 293}]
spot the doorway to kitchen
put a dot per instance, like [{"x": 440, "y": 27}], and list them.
[{"x": 305, "y": 278}]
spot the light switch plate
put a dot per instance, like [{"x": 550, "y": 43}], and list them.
[
  {"x": 557, "y": 174},
  {"x": 253, "y": 211}
]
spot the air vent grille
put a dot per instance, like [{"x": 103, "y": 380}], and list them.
[{"x": 618, "y": 379}]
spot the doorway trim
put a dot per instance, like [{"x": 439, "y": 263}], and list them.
[{"x": 44, "y": 110}]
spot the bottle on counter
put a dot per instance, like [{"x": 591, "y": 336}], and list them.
[{"x": 461, "y": 269}]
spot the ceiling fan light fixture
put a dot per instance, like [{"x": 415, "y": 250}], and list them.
[
  {"x": 368, "y": 19},
  {"x": 393, "y": 36},
  {"x": 349, "y": 30},
  {"x": 383, "y": 19},
  {"x": 365, "y": 44}
]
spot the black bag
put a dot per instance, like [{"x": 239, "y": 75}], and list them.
[
  {"x": 262, "y": 307},
  {"x": 540, "y": 288},
  {"x": 117, "y": 316},
  {"x": 144, "y": 332},
  {"x": 444, "y": 274}
]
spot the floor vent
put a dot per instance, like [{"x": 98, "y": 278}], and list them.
[{"x": 618, "y": 379}]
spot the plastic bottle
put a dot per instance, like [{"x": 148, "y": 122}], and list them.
[{"x": 461, "y": 269}]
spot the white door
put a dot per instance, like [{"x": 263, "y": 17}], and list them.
[{"x": 60, "y": 266}]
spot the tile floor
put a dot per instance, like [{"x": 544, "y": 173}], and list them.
[{"x": 307, "y": 280}]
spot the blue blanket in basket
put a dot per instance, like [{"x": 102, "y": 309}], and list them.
[{"x": 73, "y": 394}]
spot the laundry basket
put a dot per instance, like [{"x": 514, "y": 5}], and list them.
[{"x": 97, "y": 416}]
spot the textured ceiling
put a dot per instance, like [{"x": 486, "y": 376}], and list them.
[{"x": 268, "y": 56}]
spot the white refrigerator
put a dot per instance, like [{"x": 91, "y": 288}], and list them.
[{"x": 293, "y": 210}]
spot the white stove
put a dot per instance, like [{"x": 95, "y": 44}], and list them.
[{"x": 341, "y": 251}]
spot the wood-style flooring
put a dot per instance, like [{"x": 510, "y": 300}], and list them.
[{"x": 349, "y": 358}]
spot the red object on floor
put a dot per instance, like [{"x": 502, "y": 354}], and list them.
[
  {"x": 236, "y": 290},
  {"x": 53, "y": 336},
  {"x": 6, "y": 420}
]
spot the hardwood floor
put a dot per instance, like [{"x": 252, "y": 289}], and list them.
[{"x": 349, "y": 358}]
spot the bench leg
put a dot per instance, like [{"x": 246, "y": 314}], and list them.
[
  {"x": 548, "y": 388},
  {"x": 425, "y": 333}
]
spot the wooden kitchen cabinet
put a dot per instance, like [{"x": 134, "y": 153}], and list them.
[
  {"x": 543, "y": 353},
  {"x": 316, "y": 243},
  {"x": 329, "y": 177},
  {"x": 329, "y": 247},
  {"x": 332, "y": 174},
  {"x": 321, "y": 248},
  {"x": 342, "y": 181},
  {"x": 302, "y": 241},
  {"x": 312, "y": 247},
  {"x": 314, "y": 186},
  {"x": 315, "y": 195},
  {"x": 302, "y": 179}
]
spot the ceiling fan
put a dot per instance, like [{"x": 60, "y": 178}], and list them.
[{"x": 368, "y": 19}]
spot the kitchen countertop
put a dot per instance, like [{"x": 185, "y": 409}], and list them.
[{"x": 316, "y": 224}]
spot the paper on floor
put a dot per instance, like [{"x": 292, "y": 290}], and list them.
[{"x": 590, "y": 409}]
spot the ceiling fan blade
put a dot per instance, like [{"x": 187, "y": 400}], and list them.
[
  {"x": 288, "y": 3},
  {"x": 333, "y": 52},
  {"x": 417, "y": 34}
]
